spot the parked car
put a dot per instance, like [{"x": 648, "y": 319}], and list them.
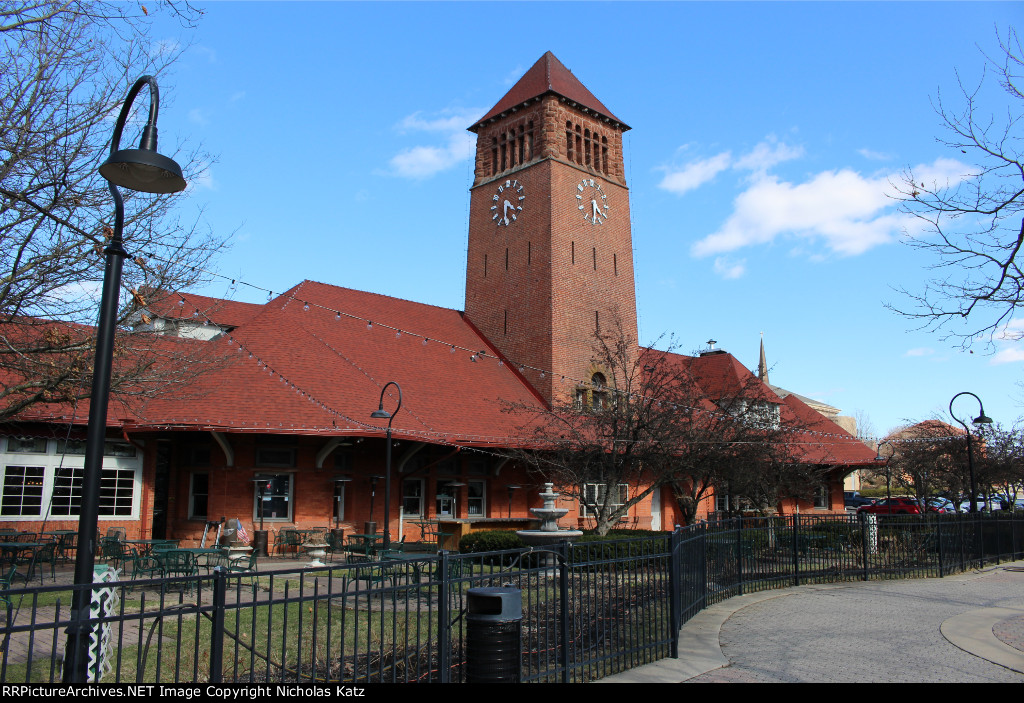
[
  {"x": 965, "y": 507},
  {"x": 854, "y": 500},
  {"x": 942, "y": 505},
  {"x": 895, "y": 506}
]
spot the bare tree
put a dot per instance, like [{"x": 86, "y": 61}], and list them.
[
  {"x": 65, "y": 67},
  {"x": 644, "y": 421},
  {"x": 928, "y": 459},
  {"x": 972, "y": 223}
]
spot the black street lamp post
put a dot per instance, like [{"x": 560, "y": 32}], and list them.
[
  {"x": 144, "y": 170},
  {"x": 381, "y": 414},
  {"x": 982, "y": 419}
]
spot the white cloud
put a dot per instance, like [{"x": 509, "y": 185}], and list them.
[
  {"x": 202, "y": 178},
  {"x": 874, "y": 155},
  {"x": 424, "y": 161},
  {"x": 449, "y": 120},
  {"x": 843, "y": 208},
  {"x": 767, "y": 154},
  {"x": 729, "y": 269},
  {"x": 1008, "y": 356},
  {"x": 920, "y": 351},
  {"x": 695, "y": 174}
]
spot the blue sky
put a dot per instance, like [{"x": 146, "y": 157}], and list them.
[{"x": 764, "y": 138}]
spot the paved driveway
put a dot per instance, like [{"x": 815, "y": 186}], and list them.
[{"x": 964, "y": 629}]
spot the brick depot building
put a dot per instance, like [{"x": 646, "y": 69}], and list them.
[{"x": 549, "y": 265}]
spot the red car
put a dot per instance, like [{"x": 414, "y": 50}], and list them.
[{"x": 894, "y": 506}]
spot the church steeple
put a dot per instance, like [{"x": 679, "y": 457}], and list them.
[
  {"x": 762, "y": 365},
  {"x": 550, "y": 258}
]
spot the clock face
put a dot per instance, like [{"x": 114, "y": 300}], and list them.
[
  {"x": 592, "y": 201},
  {"x": 507, "y": 203}
]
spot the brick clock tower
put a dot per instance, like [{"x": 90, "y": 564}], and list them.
[{"x": 550, "y": 260}]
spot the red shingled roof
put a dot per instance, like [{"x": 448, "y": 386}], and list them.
[
  {"x": 822, "y": 441},
  {"x": 311, "y": 372},
  {"x": 548, "y": 75},
  {"x": 228, "y": 313}
]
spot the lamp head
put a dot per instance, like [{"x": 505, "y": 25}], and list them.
[
  {"x": 380, "y": 414},
  {"x": 982, "y": 419},
  {"x": 143, "y": 170}
]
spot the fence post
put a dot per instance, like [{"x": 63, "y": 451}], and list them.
[
  {"x": 704, "y": 566},
  {"x": 739, "y": 554},
  {"x": 565, "y": 550},
  {"x": 796, "y": 553},
  {"x": 938, "y": 538},
  {"x": 674, "y": 585},
  {"x": 999, "y": 539},
  {"x": 863, "y": 519},
  {"x": 979, "y": 538},
  {"x": 444, "y": 634},
  {"x": 220, "y": 587}
]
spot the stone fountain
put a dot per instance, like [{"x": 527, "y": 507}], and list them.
[{"x": 549, "y": 514}]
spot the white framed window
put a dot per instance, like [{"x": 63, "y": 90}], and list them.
[
  {"x": 277, "y": 498},
  {"x": 412, "y": 497},
  {"x": 50, "y": 484},
  {"x": 594, "y": 496},
  {"x": 22, "y": 491},
  {"x": 477, "y": 499},
  {"x": 821, "y": 497}
]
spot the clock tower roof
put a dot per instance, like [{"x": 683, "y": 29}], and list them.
[{"x": 548, "y": 75}]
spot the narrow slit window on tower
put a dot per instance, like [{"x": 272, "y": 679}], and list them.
[
  {"x": 522, "y": 144},
  {"x": 597, "y": 322},
  {"x": 595, "y": 258},
  {"x": 529, "y": 253},
  {"x": 604, "y": 155},
  {"x": 568, "y": 141},
  {"x": 572, "y": 249},
  {"x": 504, "y": 152},
  {"x": 494, "y": 156},
  {"x": 615, "y": 263},
  {"x": 579, "y": 145},
  {"x": 506, "y": 258},
  {"x": 586, "y": 147},
  {"x": 529, "y": 140}
]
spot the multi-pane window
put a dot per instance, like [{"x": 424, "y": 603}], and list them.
[
  {"x": 22, "y": 491},
  {"x": 50, "y": 483},
  {"x": 412, "y": 497},
  {"x": 476, "y": 501},
  {"x": 596, "y": 496},
  {"x": 821, "y": 497}
]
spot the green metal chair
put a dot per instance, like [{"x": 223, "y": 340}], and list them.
[
  {"x": 179, "y": 563},
  {"x": 46, "y": 554}
]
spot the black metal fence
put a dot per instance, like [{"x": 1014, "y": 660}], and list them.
[{"x": 589, "y": 610}]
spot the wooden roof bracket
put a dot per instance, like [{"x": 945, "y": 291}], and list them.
[{"x": 229, "y": 453}]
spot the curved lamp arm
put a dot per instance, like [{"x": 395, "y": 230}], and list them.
[{"x": 380, "y": 413}]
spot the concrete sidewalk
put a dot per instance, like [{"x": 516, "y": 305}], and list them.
[{"x": 964, "y": 628}]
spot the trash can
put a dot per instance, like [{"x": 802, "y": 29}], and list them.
[
  {"x": 369, "y": 528},
  {"x": 259, "y": 543},
  {"x": 494, "y": 619}
]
